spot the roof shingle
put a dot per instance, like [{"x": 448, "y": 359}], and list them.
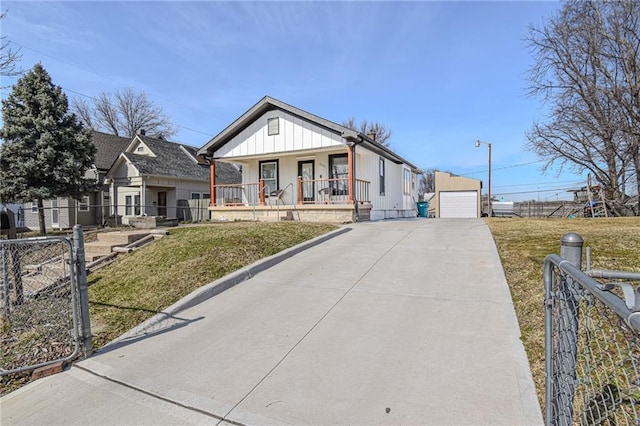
[{"x": 179, "y": 161}]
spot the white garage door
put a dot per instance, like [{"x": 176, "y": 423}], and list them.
[{"x": 459, "y": 204}]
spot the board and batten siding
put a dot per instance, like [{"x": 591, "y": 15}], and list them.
[
  {"x": 295, "y": 134},
  {"x": 394, "y": 203}
]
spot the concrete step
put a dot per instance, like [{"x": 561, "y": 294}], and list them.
[
  {"x": 97, "y": 249},
  {"x": 119, "y": 238}
]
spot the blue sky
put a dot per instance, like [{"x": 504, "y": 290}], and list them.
[{"x": 439, "y": 74}]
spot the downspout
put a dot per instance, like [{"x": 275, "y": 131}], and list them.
[
  {"x": 352, "y": 142},
  {"x": 212, "y": 181}
]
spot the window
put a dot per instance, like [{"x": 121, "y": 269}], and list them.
[
  {"x": 132, "y": 205},
  {"x": 269, "y": 173},
  {"x": 195, "y": 196},
  {"x": 55, "y": 213},
  {"x": 140, "y": 149},
  {"x": 128, "y": 205},
  {"x": 206, "y": 195},
  {"x": 136, "y": 201},
  {"x": 34, "y": 206},
  {"x": 413, "y": 181},
  {"x": 273, "y": 126},
  {"x": 83, "y": 204},
  {"x": 382, "y": 176},
  {"x": 407, "y": 181},
  {"x": 339, "y": 169}
]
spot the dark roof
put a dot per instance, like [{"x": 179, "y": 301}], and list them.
[
  {"x": 108, "y": 148},
  {"x": 177, "y": 160},
  {"x": 227, "y": 173},
  {"x": 268, "y": 103}
]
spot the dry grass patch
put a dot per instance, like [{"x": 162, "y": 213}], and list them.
[
  {"x": 143, "y": 283},
  {"x": 524, "y": 243}
]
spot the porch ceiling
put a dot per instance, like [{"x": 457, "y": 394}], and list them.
[{"x": 306, "y": 153}]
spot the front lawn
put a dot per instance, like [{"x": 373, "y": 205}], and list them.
[{"x": 524, "y": 243}]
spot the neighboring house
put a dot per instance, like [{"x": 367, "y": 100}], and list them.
[
  {"x": 456, "y": 196},
  {"x": 155, "y": 177},
  {"x": 297, "y": 165},
  {"x": 92, "y": 209}
]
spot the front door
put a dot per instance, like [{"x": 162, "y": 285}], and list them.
[
  {"x": 339, "y": 170},
  {"x": 162, "y": 203},
  {"x": 305, "y": 169}
]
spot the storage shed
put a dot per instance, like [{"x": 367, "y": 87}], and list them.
[{"x": 456, "y": 196}]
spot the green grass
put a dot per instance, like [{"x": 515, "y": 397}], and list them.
[
  {"x": 140, "y": 284},
  {"x": 524, "y": 243}
]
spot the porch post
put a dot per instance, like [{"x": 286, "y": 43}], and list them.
[
  {"x": 261, "y": 190},
  {"x": 212, "y": 181},
  {"x": 350, "y": 149},
  {"x": 143, "y": 196},
  {"x": 114, "y": 198},
  {"x": 299, "y": 189}
]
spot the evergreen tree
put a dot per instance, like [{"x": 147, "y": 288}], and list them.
[{"x": 46, "y": 151}]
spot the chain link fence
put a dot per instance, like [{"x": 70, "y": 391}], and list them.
[
  {"x": 41, "y": 316},
  {"x": 592, "y": 346}
]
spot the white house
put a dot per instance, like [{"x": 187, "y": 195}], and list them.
[{"x": 299, "y": 166}]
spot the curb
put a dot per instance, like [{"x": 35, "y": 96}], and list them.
[{"x": 216, "y": 287}]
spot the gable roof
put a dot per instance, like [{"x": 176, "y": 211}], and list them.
[
  {"x": 108, "y": 148},
  {"x": 170, "y": 160},
  {"x": 177, "y": 161},
  {"x": 268, "y": 104}
]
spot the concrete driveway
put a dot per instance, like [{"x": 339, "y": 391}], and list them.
[{"x": 394, "y": 322}]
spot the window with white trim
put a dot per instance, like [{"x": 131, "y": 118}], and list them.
[
  {"x": 83, "y": 204},
  {"x": 128, "y": 205},
  {"x": 132, "y": 205},
  {"x": 382, "y": 176},
  {"x": 34, "y": 206},
  {"x": 273, "y": 126},
  {"x": 196, "y": 195},
  {"x": 407, "y": 182}
]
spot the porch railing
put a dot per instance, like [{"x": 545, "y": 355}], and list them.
[
  {"x": 362, "y": 191},
  {"x": 246, "y": 194},
  {"x": 313, "y": 191},
  {"x": 331, "y": 191}
]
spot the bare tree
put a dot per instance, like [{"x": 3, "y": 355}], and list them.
[
  {"x": 380, "y": 130},
  {"x": 124, "y": 113},
  {"x": 8, "y": 57},
  {"x": 587, "y": 69},
  {"x": 427, "y": 182}
]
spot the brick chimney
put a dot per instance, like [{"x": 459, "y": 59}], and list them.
[
  {"x": 372, "y": 135},
  {"x": 141, "y": 132}
]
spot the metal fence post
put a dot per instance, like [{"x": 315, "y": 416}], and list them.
[
  {"x": 571, "y": 248},
  {"x": 567, "y": 344},
  {"x": 81, "y": 276}
]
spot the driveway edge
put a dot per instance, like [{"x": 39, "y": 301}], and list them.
[{"x": 218, "y": 286}]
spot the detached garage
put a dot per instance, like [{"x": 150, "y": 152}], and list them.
[{"x": 456, "y": 196}]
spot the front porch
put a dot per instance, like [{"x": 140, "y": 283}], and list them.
[{"x": 313, "y": 200}]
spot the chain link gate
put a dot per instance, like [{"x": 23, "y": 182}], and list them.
[
  {"x": 592, "y": 341},
  {"x": 44, "y": 315}
]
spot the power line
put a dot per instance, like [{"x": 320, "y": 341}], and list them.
[
  {"x": 502, "y": 168},
  {"x": 574, "y": 182},
  {"x": 535, "y": 192}
]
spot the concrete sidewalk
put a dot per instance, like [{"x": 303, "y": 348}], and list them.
[{"x": 405, "y": 321}]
